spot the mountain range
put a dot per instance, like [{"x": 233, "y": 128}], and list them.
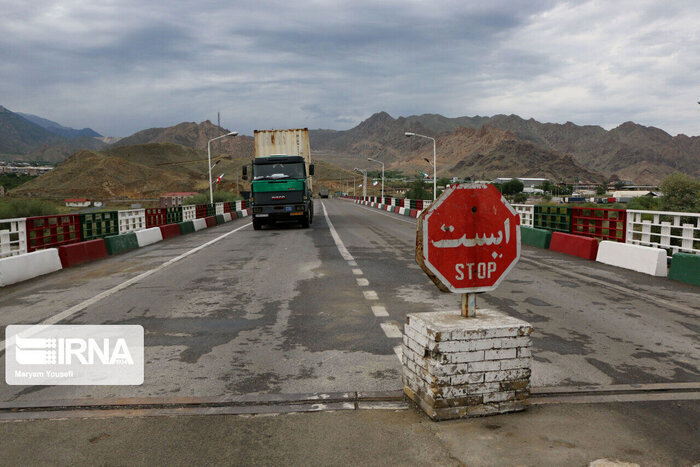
[
  {"x": 512, "y": 146},
  {"x": 478, "y": 147},
  {"x": 31, "y": 138}
]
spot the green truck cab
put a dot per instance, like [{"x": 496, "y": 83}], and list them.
[{"x": 280, "y": 188}]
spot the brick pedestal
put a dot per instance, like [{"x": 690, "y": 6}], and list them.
[{"x": 457, "y": 367}]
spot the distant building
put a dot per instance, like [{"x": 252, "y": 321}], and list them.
[
  {"x": 169, "y": 200},
  {"x": 629, "y": 194},
  {"x": 77, "y": 202},
  {"x": 527, "y": 182}
]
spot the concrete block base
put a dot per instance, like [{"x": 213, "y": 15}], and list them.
[{"x": 456, "y": 367}]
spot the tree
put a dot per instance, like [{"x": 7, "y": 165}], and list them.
[
  {"x": 443, "y": 181},
  {"x": 512, "y": 187},
  {"x": 681, "y": 193},
  {"x": 520, "y": 198},
  {"x": 418, "y": 191},
  {"x": 600, "y": 190}
]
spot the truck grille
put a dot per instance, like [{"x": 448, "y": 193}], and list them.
[{"x": 278, "y": 197}]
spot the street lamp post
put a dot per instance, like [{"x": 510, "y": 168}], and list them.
[
  {"x": 379, "y": 162},
  {"x": 211, "y": 191},
  {"x": 364, "y": 181},
  {"x": 409, "y": 134}
]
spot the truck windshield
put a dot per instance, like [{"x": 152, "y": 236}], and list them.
[{"x": 277, "y": 171}]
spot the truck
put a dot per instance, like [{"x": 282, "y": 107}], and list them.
[
  {"x": 323, "y": 193},
  {"x": 281, "y": 183}
]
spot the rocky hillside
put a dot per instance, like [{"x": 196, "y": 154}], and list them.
[
  {"x": 147, "y": 170},
  {"x": 630, "y": 151},
  {"x": 193, "y": 135},
  {"x": 488, "y": 153}
]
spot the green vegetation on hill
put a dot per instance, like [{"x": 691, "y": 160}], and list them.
[
  {"x": 10, "y": 181},
  {"x": 12, "y": 208}
]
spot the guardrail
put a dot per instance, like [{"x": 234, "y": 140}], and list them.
[
  {"x": 13, "y": 237},
  {"x": 131, "y": 220},
  {"x": 526, "y": 213},
  {"x": 52, "y": 231},
  {"x": 600, "y": 223},
  {"x": 23, "y": 235},
  {"x": 189, "y": 212},
  {"x": 674, "y": 231}
]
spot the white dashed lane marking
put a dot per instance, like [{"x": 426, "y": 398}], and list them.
[
  {"x": 370, "y": 295},
  {"x": 391, "y": 330},
  {"x": 357, "y": 272},
  {"x": 379, "y": 311},
  {"x": 362, "y": 282},
  {"x": 399, "y": 352}
]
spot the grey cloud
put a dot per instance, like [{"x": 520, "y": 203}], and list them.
[{"x": 124, "y": 66}]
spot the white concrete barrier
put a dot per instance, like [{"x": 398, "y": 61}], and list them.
[
  {"x": 199, "y": 224},
  {"x": 23, "y": 267},
  {"x": 149, "y": 236},
  {"x": 227, "y": 217},
  {"x": 644, "y": 259}
]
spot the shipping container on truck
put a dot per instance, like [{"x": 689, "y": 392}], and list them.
[{"x": 281, "y": 177}]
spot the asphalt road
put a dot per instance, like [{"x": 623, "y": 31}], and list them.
[{"x": 282, "y": 311}]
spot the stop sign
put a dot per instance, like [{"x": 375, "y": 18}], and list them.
[{"x": 469, "y": 239}]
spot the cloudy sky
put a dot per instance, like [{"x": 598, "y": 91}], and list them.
[{"x": 120, "y": 66}]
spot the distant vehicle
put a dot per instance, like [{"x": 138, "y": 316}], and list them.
[
  {"x": 280, "y": 187},
  {"x": 323, "y": 193},
  {"x": 575, "y": 199}
]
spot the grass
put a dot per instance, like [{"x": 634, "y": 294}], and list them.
[
  {"x": 11, "y": 208},
  {"x": 10, "y": 181}
]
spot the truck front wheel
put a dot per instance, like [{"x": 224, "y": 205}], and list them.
[
  {"x": 305, "y": 221},
  {"x": 257, "y": 224}
]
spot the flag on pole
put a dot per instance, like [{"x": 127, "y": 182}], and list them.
[
  {"x": 425, "y": 175},
  {"x": 218, "y": 179},
  {"x": 375, "y": 183}
]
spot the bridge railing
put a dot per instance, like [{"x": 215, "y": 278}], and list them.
[
  {"x": 131, "y": 220},
  {"x": 13, "y": 237},
  {"x": 600, "y": 223},
  {"x": 189, "y": 212},
  {"x": 672, "y": 231},
  {"x": 526, "y": 213},
  {"x": 52, "y": 231}
]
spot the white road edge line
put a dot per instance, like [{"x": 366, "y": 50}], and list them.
[
  {"x": 91, "y": 301},
  {"x": 336, "y": 238},
  {"x": 376, "y": 211}
]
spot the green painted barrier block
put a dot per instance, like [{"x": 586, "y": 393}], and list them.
[
  {"x": 407, "y": 212},
  {"x": 120, "y": 243},
  {"x": 685, "y": 267},
  {"x": 173, "y": 215},
  {"x": 220, "y": 219},
  {"x": 99, "y": 225},
  {"x": 186, "y": 227},
  {"x": 535, "y": 237}
]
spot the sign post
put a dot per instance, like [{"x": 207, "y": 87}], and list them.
[{"x": 467, "y": 241}]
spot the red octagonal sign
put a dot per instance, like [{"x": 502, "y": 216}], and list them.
[{"x": 469, "y": 239}]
